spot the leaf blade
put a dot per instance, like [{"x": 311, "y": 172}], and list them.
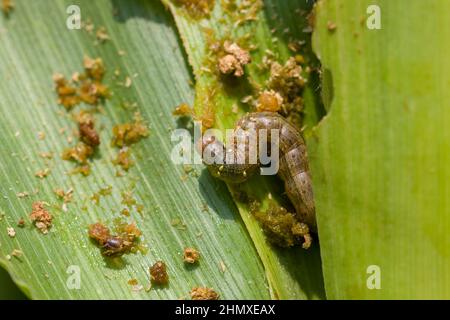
[{"x": 144, "y": 30}]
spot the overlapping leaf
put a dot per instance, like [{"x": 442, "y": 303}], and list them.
[
  {"x": 380, "y": 157},
  {"x": 292, "y": 273}
]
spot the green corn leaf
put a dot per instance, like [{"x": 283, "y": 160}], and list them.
[
  {"x": 180, "y": 209},
  {"x": 380, "y": 157}
]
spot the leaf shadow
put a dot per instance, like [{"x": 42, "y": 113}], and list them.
[
  {"x": 117, "y": 263},
  {"x": 191, "y": 266},
  {"x": 305, "y": 266},
  {"x": 216, "y": 194}
]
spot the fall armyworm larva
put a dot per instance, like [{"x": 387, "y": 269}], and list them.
[{"x": 293, "y": 161}]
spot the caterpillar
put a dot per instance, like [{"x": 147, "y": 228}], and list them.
[{"x": 292, "y": 161}]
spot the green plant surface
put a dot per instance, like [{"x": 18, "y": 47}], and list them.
[
  {"x": 292, "y": 273},
  {"x": 179, "y": 211},
  {"x": 380, "y": 157}
]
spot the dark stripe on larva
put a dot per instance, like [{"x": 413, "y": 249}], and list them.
[{"x": 293, "y": 165}]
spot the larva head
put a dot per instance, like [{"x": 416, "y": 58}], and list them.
[{"x": 214, "y": 156}]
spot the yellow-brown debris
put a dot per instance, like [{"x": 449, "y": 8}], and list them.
[
  {"x": 46, "y": 155},
  {"x": 65, "y": 196},
  {"x": 242, "y": 11},
  {"x": 282, "y": 227},
  {"x": 125, "y": 212},
  {"x": 129, "y": 133},
  {"x": 102, "y": 35},
  {"x": 269, "y": 100},
  {"x": 86, "y": 127},
  {"x": 234, "y": 60},
  {"x": 88, "y": 26},
  {"x": 94, "y": 68},
  {"x": 99, "y": 232},
  {"x": 86, "y": 87},
  {"x": 21, "y": 223},
  {"x": 41, "y": 174},
  {"x": 80, "y": 153},
  {"x": 124, "y": 241},
  {"x": 41, "y": 218},
  {"x": 190, "y": 255},
  {"x": 203, "y": 293},
  {"x": 128, "y": 198},
  {"x": 92, "y": 92},
  {"x": 101, "y": 193},
  {"x": 331, "y": 26},
  {"x": 85, "y": 148},
  {"x": 287, "y": 81},
  {"x": 11, "y": 232},
  {"x": 84, "y": 169},
  {"x": 129, "y": 230},
  {"x": 17, "y": 253},
  {"x": 123, "y": 159},
  {"x": 183, "y": 110},
  {"x": 158, "y": 273},
  {"x": 67, "y": 93},
  {"x": 196, "y": 9},
  {"x": 7, "y": 6},
  {"x": 286, "y": 78}
]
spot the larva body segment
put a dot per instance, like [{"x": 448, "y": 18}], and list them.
[{"x": 293, "y": 161}]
